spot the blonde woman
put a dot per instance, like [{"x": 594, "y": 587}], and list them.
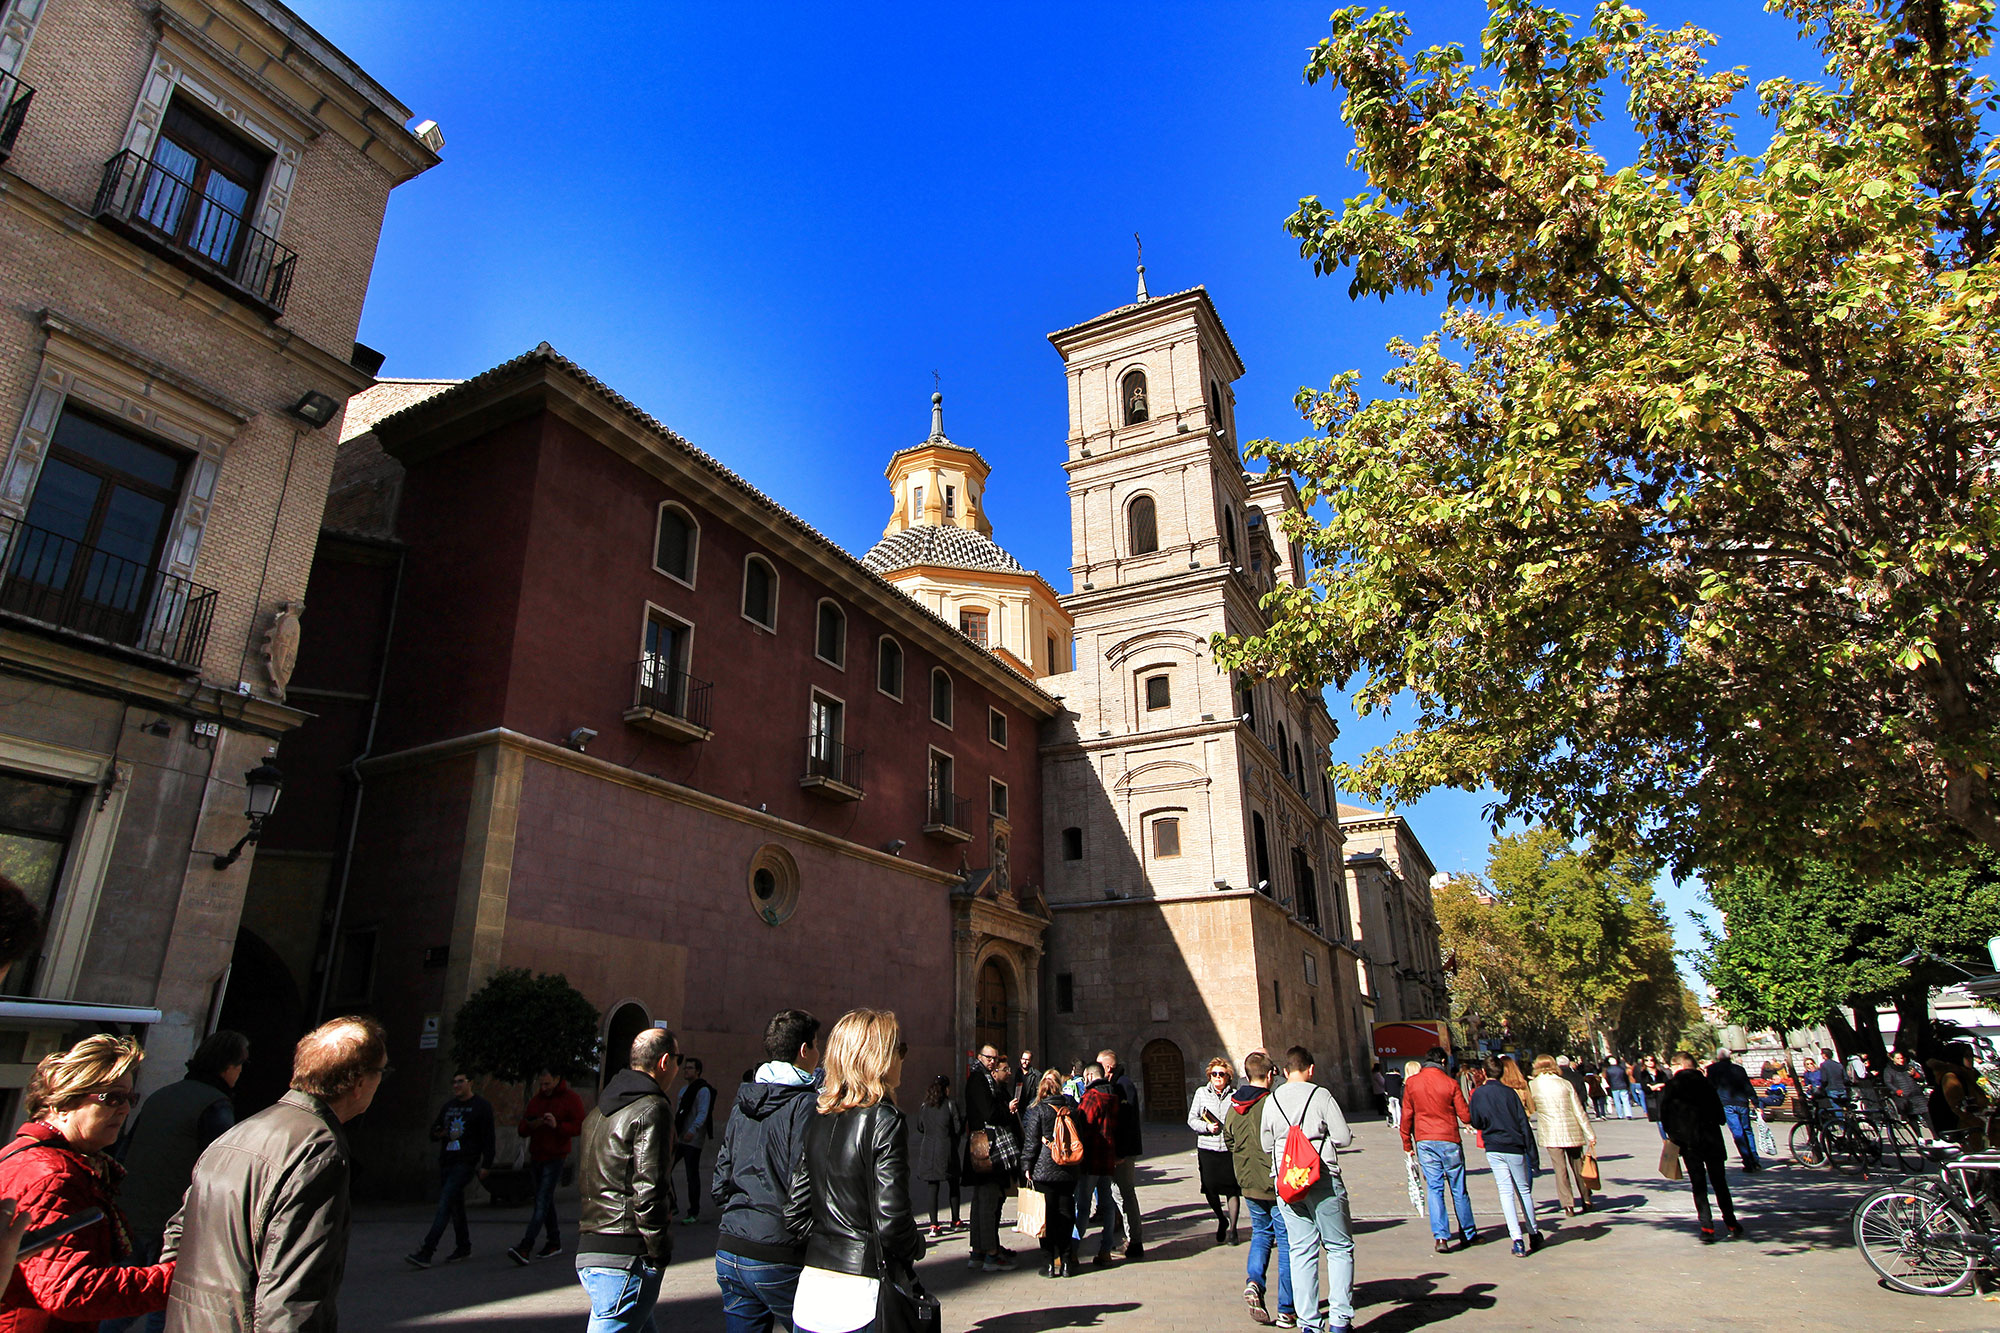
[
  {"x": 850, "y": 1199},
  {"x": 1563, "y": 1129},
  {"x": 1206, "y": 1115},
  {"x": 58, "y": 1168}
]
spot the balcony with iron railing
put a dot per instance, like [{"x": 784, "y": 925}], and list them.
[
  {"x": 161, "y": 211},
  {"x": 61, "y": 584},
  {"x": 14, "y": 98},
  {"x": 945, "y": 816},
  {"x": 833, "y": 770},
  {"x": 668, "y": 702}
]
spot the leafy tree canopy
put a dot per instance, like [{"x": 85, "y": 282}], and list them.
[
  {"x": 517, "y": 1025},
  {"x": 1680, "y": 528}
]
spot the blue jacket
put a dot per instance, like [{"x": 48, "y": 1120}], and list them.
[{"x": 1500, "y": 1118}]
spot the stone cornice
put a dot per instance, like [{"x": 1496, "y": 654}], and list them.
[
  {"x": 103, "y": 672},
  {"x": 548, "y": 752}
]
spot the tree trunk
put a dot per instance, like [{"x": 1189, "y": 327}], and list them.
[
  {"x": 1913, "y": 1020},
  {"x": 1868, "y": 1032},
  {"x": 1845, "y": 1041}
]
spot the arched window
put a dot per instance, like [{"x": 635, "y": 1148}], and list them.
[
  {"x": 1246, "y": 699},
  {"x": 1142, "y": 527},
  {"x": 940, "y": 696},
  {"x": 1132, "y": 397},
  {"x": 889, "y": 667},
  {"x": 830, "y": 636},
  {"x": 1229, "y": 531},
  {"x": 674, "y": 543},
  {"x": 1284, "y": 749},
  {"x": 1261, "y": 847},
  {"x": 760, "y": 592}
]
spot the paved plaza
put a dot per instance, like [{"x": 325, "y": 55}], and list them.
[{"x": 1635, "y": 1265}]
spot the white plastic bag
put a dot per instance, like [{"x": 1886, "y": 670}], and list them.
[
  {"x": 1415, "y": 1179},
  {"x": 1767, "y": 1142}
]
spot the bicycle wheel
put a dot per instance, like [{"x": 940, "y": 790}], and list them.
[
  {"x": 1900, "y": 1142},
  {"x": 1908, "y": 1238},
  {"x": 1856, "y": 1146},
  {"x": 1808, "y": 1149}
]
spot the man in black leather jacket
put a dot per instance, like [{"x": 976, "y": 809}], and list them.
[
  {"x": 626, "y": 1231},
  {"x": 757, "y": 1259}
]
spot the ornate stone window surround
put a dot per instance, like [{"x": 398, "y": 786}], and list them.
[
  {"x": 89, "y": 859},
  {"x": 119, "y": 382},
  {"x": 17, "y": 30}
]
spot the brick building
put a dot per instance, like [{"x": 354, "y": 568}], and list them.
[{"x": 189, "y": 207}]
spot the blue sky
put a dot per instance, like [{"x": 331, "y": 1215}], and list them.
[{"x": 768, "y": 225}]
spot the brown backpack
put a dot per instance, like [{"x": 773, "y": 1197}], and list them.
[{"x": 1065, "y": 1144}]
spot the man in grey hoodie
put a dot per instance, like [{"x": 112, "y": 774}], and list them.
[
  {"x": 1316, "y": 1220},
  {"x": 756, "y": 1260}
]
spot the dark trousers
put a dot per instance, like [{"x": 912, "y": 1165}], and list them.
[
  {"x": 546, "y": 1175},
  {"x": 689, "y": 1155},
  {"x": 451, "y": 1208},
  {"x": 937, "y": 1189},
  {"x": 1059, "y": 1236},
  {"x": 1705, "y": 1173}
]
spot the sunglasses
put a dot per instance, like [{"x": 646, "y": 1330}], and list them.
[{"x": 112, "y": 1097}]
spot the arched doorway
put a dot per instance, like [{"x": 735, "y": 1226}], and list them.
[
  {"x": 1165, "y": 1075},
  {"x": 628, "y": 1020},
  {"x": 992, "y": 1007},
  {"x": 262, "y": 1002}
]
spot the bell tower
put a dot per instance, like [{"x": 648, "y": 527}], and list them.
[{"x": 1194, "y": 858}]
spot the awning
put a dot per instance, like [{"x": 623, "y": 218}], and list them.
[{"x": 64, "y": 1013}]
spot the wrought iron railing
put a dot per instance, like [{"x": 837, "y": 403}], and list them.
[
  {"x": 828, "y": 759},
  {"x": 163, "y": 209},
  {"x": 57, "y": 581},
  {"x": 665, "y": 688},
  {"x": 14, "y": 98},
  {"x": 948, "y": 810}
]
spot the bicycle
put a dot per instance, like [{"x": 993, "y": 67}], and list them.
[
  {"x": 1825, "y": 1135},
  {"x": 1931, "y": 1235}
]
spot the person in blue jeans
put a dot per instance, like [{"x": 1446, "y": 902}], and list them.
[
  {"x": 1500, "y": 1114},
  {"x": 1242, "y": 1131},
  {"x": 757, "y": 1260},
  {"x": 1433, "y": 1109},
  {"x": 1316, "y": 1219},
  {"x": 1732, "y": 1085},
  {"x": 625, "y": 1226},
  {"x": 1618, "y": 1082},
  {"x": 550, "y": 1123},
  {"x": 463, "y": 1132}
]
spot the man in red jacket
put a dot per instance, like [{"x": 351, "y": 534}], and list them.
[
  {"x": 1433, "y": 1109},
  {"x": 552, "y": 1121}
]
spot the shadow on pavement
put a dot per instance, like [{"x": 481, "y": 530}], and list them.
[
  {"x": 1034, "y": 1321},
  {"x": 1418, "y": 1301}
]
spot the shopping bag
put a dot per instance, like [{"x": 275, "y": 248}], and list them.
[
  {"x": 1767, "y": 1142},
  {"x": 1414, "y": 1178},
  {"x": 1031, "y": 1214},
  {"x": 1670, "y": 1160},
  {"x": 1587, "y": 1172}
]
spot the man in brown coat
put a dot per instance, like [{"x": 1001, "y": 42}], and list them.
[{"x": 261, "y": 1242}]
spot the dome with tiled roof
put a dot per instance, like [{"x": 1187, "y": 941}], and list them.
[{"x": 949, "y": 547}]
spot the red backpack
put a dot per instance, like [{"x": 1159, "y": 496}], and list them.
[
  {"x": 1065, "y": 1144},
  {"x": 1299, "y": 1165}
]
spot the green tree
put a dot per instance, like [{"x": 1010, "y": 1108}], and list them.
[
  {"x": 1679, "y": 528},
  {"x": 517, "y": 1025},
  {"x": 1822, "y": 942}
]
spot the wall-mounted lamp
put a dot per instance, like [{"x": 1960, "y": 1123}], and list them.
[
  {"x": 1222, "y": 886},
  {"x": 262, "y": 785},
  {"x": 894, "y": 846},
  {"x": 1264, "y": 886},
  {"x": 315, "y": 409},
  {"x": 579, "y": 738}
]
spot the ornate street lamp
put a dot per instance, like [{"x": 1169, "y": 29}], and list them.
[{"x": 262, "y": 785}]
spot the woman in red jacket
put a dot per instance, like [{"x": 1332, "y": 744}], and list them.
[{"x": 56, "y": 1168}]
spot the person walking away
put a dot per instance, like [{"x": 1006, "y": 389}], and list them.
[
  {"x": 58, "y": 1167},
  {"x": 168, "y": 1135},
  {"x": 1052, "y": 1142},
  {"x": 757, "y": 1260},
  {"x": 1073, "y": 1085},
  {"x": 1832, "y": 1079},
  {"x": 463, "y": 1131},
  {"x": 1567, "y": 1068},
  {"x": 1733, "y": 1088},
  {"x": 1652, "y": 1082},
  {"x": 1130, "y": 1145},
  {"x": 1618, "y": 1083},
  {"x": 1216, "y": 1169},
  {"x": 550, "y": 1122},
  {"x": 1094, "y": 1187},
  {"x": 1392, "y": 1084},
  {"x": 1593, "y": 1083},
  {"x": 940, "y": 1141},
  {"x": 1507, "y": 1136},
  {"x": 1434, "y": 1107},
  {"x": 694, "y": 1126},
  {"x": 1316, "y": 1221},
  {"x": 1380, "y": 1090},
  {"x": 625, "y": 1233},
  {"x": 987, "y": 1169},
  {"x": 1693, "y": 1116},
  {"x": 1243, "y": 1132},
  {"x": 850, "y": 1195},
  {"x": 1564, "y": 1132},
  {"x": 261, "y": 1241}
]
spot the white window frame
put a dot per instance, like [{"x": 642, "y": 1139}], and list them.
[
  {"x": 743, "y": 596},
  {"x": 994, "y": 786},
  {"x": 815, "y": 691},
  {"x": 1005, "y": 727},
  {"x": 694, "y": 542},
  {"x": 818, "y": 609},
  {"x": 87, "y": 863},
  {"x": 951, "y": 694},
  {"x": 902, "y": 667}
]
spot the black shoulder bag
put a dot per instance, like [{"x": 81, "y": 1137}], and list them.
[{"x": 901, "y": 1308}]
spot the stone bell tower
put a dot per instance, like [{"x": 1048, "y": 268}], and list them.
[{"x": 1194, "y": 856}]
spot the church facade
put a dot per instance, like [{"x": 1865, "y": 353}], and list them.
[{"x": 586, "y": 701}]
